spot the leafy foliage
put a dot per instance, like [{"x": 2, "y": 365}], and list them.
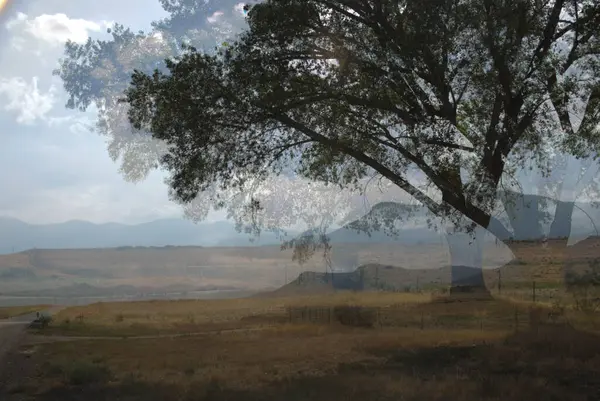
[
  {"x": 461, "y": 95},
  {"x": 342, "y": 89}
]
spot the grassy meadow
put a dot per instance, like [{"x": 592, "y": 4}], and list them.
[{"x": 415, "y": 346}]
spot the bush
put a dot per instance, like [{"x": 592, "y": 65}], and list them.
[
  {"x": 357, "y": 316},
  {"x": 41, "y": 322}
]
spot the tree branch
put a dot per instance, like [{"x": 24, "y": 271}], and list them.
[{"x": 472, "y": 212}]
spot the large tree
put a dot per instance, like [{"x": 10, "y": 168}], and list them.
[{"x": 462, "y": 92}]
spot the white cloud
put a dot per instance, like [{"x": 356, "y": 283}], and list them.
[
  {"x": 26, "y": 99},
  {"x": 76, "y": 124},
  {"x": 55, "y": 168},
  {"x": 54, "y": 29},
  {"x": 239, "y": 7},
  {"x": 215, "y": 17},
  {"x": 100, "y": 203}
]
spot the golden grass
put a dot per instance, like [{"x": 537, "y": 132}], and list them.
[
  {"x": 12, "y": 311},
  {"x": 426, "y": 349},
  {"x": 250, "y": 360},
  {"x": 162, "y": 317},
  {"x": 393, "y": 310},
  {"x": 312, "y": 362}
]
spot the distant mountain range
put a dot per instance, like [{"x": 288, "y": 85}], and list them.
[
  {"x": 412, "y": 228},
  {"x": 16, "y": 235}
]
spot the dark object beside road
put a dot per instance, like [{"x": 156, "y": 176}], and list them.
[{"x": 40, "y": 322}]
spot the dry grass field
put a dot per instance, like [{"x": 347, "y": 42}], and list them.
[
  {"x": 531, "y": 340},
  {"x": 268, "y": 267},
  {"x": 251, "y": 268},
  {"x": 416, "y": 347},
  {"x": 196, "y": 316}
]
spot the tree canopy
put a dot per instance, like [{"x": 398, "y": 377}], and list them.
[
  {"x": 447, "y": 101},
  {"x": 462, "y": 91}
]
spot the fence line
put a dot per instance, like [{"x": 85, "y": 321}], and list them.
[{"x": 399, "y": 316}]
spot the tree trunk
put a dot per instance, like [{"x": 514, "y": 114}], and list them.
[
  {"x": 560, "y": 231},
  {"x": 547, "y": 260},
  {"x": 466, "y": 261},
  {"x": 524, "y": 215},
  {"x": 563, "y": 218}
]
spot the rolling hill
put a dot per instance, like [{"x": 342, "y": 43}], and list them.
[
  {"x": 175, "y": 252},
  {"x": 370, "y": 277},
  {"x": 412, "y": 228},
  {"x": 545, "y": 266}
]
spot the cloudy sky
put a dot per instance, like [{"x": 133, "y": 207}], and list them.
[{"x": 53, "y": 168}]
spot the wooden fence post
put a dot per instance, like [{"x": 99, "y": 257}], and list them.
[{"x": 499, "y": 280}]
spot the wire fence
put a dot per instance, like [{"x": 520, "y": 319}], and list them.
[{"x": 517, "y": 317}]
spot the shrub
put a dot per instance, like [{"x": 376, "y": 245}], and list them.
[
  {"x": 42, "y": 321},
  {"x": 357, "y": 316}
]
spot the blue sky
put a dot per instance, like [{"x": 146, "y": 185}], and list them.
[{"x": 53, "y": 168}]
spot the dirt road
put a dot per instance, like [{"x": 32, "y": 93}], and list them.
[
  {"x": 11, "y": 334},
  {"x": 11, "y": 331},
  {"x": 47, "y": 339}
]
